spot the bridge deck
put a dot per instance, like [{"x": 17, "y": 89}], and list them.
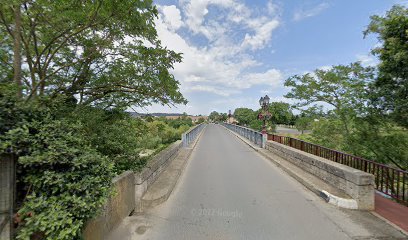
[{"x": 228, "y": 191}]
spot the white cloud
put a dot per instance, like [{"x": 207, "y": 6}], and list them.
[
  {"x": 172, "y": 17},
  {"x": 303, "y": 13},
  {"x": 212, "y": 89},
  {"x": 272, "y": 77},
  {"x": 325, "y": 68},
  {"x": 223, "y": 62},
  {"x": 367, "y": 60},
  {"x": 222, "y": 66},
  {"x": 262, "y": 35}
]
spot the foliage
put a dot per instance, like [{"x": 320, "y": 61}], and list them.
[
  {"x": 352, "y": 124},
  {"x": 200, "y": 120},
  {"x": 68, "y": 155},
  {"x": 343, "y": 87},
  {"x": 223, "y": 117},
  {"x": 66, "y": 181},
  {"x": 217, "y": 117},
  {"x": 113, "y": 134},
  {"x": 329, "y": 132},
  {"x": 214, "y": 116},
  {"x": 82, "y": 48},
  {"x": 83, "y": 63},
  {"x": 391, "y": 85},
  {"x": 303, "y": 123},
  {"x": 244, "y": 115},
  {"x": 177, "y": 123},
  {"x": 256, "y": 124},
  {"x": 281, "y": 113},
  {"x": 380, "y": 139}
]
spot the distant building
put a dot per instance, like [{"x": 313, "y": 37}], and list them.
[{"x": 232, "y": 120}]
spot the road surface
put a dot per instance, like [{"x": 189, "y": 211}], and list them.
[{"x": 228, "y": 191}]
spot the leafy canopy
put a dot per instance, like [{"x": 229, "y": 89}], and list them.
[
  {"x": 244, "y": 115},
  {"x": 391, "y": 86},
  {"x": 343, "y": 87},
  {"x": 103, "y": 53}
]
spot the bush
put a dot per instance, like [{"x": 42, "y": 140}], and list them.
[
  {"x": 67, "y": 181},
  {"x": 67, "y": 157},
  {"x": 113, "y": 134}
]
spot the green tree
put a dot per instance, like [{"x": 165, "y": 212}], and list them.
[
  {"x": 391, "y": 85},
  {"x": 256, "y": 124},
  {"x": 381, "y": 139},
  {"x": 63, "y": 181},
  {"x": 214, "y": 116},
  {"x": 303, "y": 123},
  {"x": 281, "y": 113},
  {"x": 244, "y": 115},
  {"x": 103, "y": 53},
  {"x": 223, "y": 117},
  {"x": 200, "y": 120},
  {"x": 343, "y": 87}
]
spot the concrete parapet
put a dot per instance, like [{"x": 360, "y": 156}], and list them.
[
  {"x": 151, "y": 172},
  {"x": 129, "y": 188},
  {"x": 119, "y": 206},
  {"x": 357, "y": 184}
]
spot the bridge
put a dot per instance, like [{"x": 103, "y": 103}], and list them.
[{"x": 230, "y": 190}]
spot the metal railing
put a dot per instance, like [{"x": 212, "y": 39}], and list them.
[
  {"x": 388, "y": 180},
  {"x": 189, "y": 136},
  {"x": 250, "y": 134}
]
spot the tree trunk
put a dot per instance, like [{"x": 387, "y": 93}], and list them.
[{"x": 17, "y": 49}]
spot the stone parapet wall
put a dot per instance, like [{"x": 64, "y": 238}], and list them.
[
  {"x": 357, "y": 184},
  {"x": 128, "y": 190},
  {"x": 151, "y": 172},
  {"x": 119, "y": 206}
]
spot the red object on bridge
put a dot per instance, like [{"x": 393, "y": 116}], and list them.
[{"x": 392, "y": 211}]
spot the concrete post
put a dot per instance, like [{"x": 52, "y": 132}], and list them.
[
  {"x": 7, "y": 185},
  {"x": 184, "y": 140},
  {"x": 264, "y": 139}
]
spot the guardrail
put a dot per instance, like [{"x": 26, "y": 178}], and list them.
[
  {"x": 250, "y": 134},
  {"x": 189, "y": 136},
  {"x": 388, "y": 180}
]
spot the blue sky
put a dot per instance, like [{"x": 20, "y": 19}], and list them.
[{"x": 236, "y": 51}]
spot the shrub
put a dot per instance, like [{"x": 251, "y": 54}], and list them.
[
  {"x": 113, "y": 134},
  {"x": 67, "y": 180}
]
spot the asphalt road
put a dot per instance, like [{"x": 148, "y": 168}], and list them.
[{"x": 228, "y": 191}]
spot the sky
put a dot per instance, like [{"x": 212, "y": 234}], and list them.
[{"x": 235, "y": 51}]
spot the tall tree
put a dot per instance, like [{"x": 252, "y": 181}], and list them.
[
  {"x": 343, "y": 87},
  {"x": 391, "y": 86},
  {"x": 103, "y": 52},
  {"x": 214, "y": 116},
  {"x": 17, "y": 47},
  {"x": 244, "y": 115},
  {"x": 281, "y": 112}
]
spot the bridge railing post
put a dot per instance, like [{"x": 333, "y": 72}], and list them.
[
  {"x": 189, "y": 136},
  {"x": 264, "y": 139}
]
